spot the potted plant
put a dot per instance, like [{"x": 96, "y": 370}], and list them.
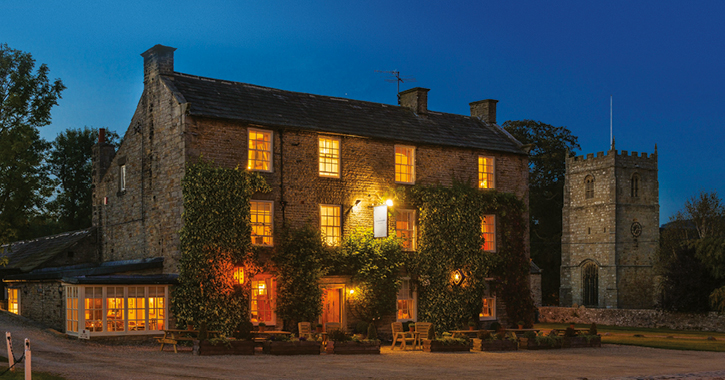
[
  {"x": 319, "y": 328},
  {"x": 262, "y": 326},
  {"x": 472, "y": 325},
  {"x": 447, "y": 343},
  {"x": 521, "y": 325},
  {"x": 190, "y": 325},
  {"x": 340, "y": 343}
]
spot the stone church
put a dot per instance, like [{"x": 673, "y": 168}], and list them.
[{"x": 610, "y": 230}]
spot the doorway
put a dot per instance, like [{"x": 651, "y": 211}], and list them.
[{"x": 331, "y": 302}]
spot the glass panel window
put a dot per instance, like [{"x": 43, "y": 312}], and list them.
[
  {"x": 260, "y": 150},
  {"x": 405, "y": 228},
  {"x": 330, "y": 223},
  {"x": 261, "y": 215},
  {"x": 115, "y": 309},
  {"x": 94, "y": 308},
  {"x": 406, "y": 301},
  {"x": 488, "y": 311},
  {"x": 488, "y": 232},
  {"x": 13, "y": 301},
  {"x": 329, "y": 157},
  {"x": 136, "y": 308},
  {"x": 404, "y": 164},
  {"x": 263, "y": 299},
  {"x": 71, "y": 308},
  {"x": 122, "y": 178},
  {"x": 157, "y": 307},
  {"x": 485, "y": 172}
]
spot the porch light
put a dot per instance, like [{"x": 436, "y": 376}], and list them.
[
  {"x": 351, "y": 291},
  {"x": 238, "y": 275},
  {"x": 457, "y": 277},
  {"x": 389, "y": 202}
]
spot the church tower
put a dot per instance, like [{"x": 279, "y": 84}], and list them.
[{"x": 610, "y": 230}]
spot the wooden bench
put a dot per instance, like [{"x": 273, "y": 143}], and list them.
[{"x": 174, "y": 336}]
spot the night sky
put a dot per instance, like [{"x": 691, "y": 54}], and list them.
[{"x": 556, "y": 62}]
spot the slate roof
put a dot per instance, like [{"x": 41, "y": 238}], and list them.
[
  {"x": 30, "y": 254},
  {"x": 278, "y": 108},
  {"x": 103, "y": 269}
]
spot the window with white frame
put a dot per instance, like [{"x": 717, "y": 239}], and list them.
[
  {"x": 488, "y": 233},
  {"x": 329, "y": 153},
  {"x": 261, "y": 220},
  {"x": 13, "y": 301},
  {"x": 404, "y": 164},
  {"x": 405, "y": 228},
  {"x": 406, "y": 302},
  {"x": 330, "y": 224},
  {"x": 486, "y": 179},
  {"x": 71, "y": 308},
  {"x": 115, "y": 309},
  {"x": 488, "y": 311},
  {"x": 262, "y": 300},
  {"x": 122, "y": 178},
  {"x": 260, "y": 150}
]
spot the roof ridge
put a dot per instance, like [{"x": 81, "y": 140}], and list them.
[{"x": 49, "y": 237}]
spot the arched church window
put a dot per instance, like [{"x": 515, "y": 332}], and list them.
[
  {"x": 589, "y": 187},
  {"x": 635, "y": 186},
  {"x": 591, "y": 284}
]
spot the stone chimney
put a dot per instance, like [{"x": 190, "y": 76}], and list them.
[
  {"x": 101, "y": 158},
  {"x": 416, "y": 99},
  {"x": 157, "y": 60},
  {"x": 484, "y": 110}
]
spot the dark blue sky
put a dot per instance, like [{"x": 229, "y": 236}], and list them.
[{"x": 556, "y": 62}]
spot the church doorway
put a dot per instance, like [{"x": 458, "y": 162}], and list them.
[{"x": 591, "y": 284}]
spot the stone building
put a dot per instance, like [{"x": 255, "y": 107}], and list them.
[
  {"x": 610, "y": 230},
  {"x": 328, "y": 160}
]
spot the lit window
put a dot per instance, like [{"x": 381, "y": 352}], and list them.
[
  {"x": 635, "y": 186},
  {"x": 157, "y": 308},
  {"x": 115, "y": 309},
  {"x": 71, "y": 308},
  {"x": 262, "y": 300},
  {"x": 329, "y": 157},
  {"x": 238, "y": 275},
  {"x": 260, "y": 150},
  {"x": 488, "y": 311},
  {"x": 405, "y": 228},
  {"x": 406, "y": 301},
  {"x": 93, "y": 306},
  {"x": 136, "y": 308},
  {"x": 488, "y": 232},
  {"x": 330, "y": 223},
  {"x": 122, "y": 178},
  {"x": 261, "y": 219},
  {"x": 589, "y": 187},
  {"x": 404, "y": 164},
  {"x": 13, "y": 301},
  {"x": 485, "y": 172}
]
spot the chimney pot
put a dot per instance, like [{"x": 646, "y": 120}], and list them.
[
  {"x": 484, "y": 110},
  {"x": 415, "y": 99},
  {"x": 101, "y": 135}
]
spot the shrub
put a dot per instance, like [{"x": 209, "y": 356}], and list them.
[
  {"x": 372, "y": 332},
  {"x": 338, "y": 336},
  {"x": 361, "y": 328}
]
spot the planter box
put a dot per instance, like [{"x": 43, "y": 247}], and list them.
[
  {"x": 291, "y": 348},
  {"x": 435, "y": 346},
  {"x": 495, "y": 345},
  {"x": 353, "y": 348},
  {"x": 580, "y": 342},
  {"x": 238, "y": 347},
  {"x": 530, "y": 344}
]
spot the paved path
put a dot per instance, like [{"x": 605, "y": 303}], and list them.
[{"x": 76, "y": 359}]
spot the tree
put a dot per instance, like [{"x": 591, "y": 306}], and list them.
[
  {"x": 26, "y": 99},
  {"x": 547, "y": 167},
  {"x": 70, "y": 162},
  {"x": 692, "y": 256}
]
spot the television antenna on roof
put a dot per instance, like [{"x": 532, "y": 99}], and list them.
[{"x": 396, "y": 77}]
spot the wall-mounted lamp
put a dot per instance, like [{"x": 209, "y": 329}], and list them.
[
  {"x": 389, "y": 202},
  {"x": 457, "y": 277}
]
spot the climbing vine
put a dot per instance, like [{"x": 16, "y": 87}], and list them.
[
  {"x": 450, "y": 241},
  {"x": 215, "y": 237}
]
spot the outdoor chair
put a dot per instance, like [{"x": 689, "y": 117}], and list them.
[
  {"x": 401, "y": 336},
  {"x": 423, "y": 330},
  {"x": 304, "y": 329}
]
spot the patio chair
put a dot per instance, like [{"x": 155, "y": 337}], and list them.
[
  {"x": 401, "y": 336},
  {"x": 332, "y": 326},
  {"x": 423, "y": 330},
  {"x": 304, "y": 329}
]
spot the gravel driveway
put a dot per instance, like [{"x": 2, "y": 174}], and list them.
[{"x": 76, "y": 359}]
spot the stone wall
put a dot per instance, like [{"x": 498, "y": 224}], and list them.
[
  {"x": 648, "y": 318},
  {"x": 43, "y": 302}
]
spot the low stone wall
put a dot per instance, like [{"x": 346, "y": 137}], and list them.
[{"x": 649, "y": 318}]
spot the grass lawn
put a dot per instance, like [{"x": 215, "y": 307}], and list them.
[
  {"x": 19, "y": 373},
  {"x": 656, "y": 338}
]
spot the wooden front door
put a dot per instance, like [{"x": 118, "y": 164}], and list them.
[{"x": 331, "y": 299}]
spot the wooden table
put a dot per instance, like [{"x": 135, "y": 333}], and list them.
[{"x": 174, "y": 336}]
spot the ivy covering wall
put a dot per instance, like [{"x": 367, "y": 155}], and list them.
[
  {"x": 450, "y": 239},
  {"x": 216, "y": 236}
]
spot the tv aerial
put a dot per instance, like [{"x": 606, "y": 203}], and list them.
[{"x": 396, "y": 78}]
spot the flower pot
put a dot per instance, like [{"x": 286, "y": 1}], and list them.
[
  {"x": 471, "y": 328},
  {"x": 189, "y": 326},
  {"x": 262, "y": 328},
  {"x": 319, "y": 329},
  {"x": 521, "y": 327}
]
